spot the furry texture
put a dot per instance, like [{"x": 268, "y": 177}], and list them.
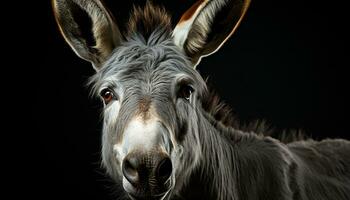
[
  {"x": 106, "y": 34},
  {"x": 211, "y": 157},
  {"x": 145, "y": 20},
  {"x": 230, "y": 163},
  {"x": 194, "y": 32}
]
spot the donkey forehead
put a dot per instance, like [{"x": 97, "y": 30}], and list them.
[{"x": 136, "y": 61}]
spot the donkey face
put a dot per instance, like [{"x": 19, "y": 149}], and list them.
[
  {"x": 150, "y": 94},
  {"x": 149, "y": 86}
]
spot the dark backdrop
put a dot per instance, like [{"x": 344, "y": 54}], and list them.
[{"x": 285, "y": 64}]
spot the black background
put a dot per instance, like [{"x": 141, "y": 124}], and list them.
[{"x": 285, "y": 64}]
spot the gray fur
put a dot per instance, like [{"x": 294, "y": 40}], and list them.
[
  {"x": 106, "y": 34},
  {"x": 210, "y": 159},
  {"x": 233, "y": 164}
]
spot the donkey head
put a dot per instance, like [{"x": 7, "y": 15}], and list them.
[{"x": 150, "y": 88}]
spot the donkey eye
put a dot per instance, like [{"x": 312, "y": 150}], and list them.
[
  {"x": 107, "y": 95},
  {"x": 185, "y": 92}
]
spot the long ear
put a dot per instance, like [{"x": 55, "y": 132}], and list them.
[
  {"x": 72, "y": 15},
  {"x": 205, "y": 27}
]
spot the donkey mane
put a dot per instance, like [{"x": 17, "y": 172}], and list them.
[
  {"x": 145, "y": 20},
  {"x": 224, "y": 115}
]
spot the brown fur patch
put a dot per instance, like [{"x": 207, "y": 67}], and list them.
[
  {"x": 146, "y": 20},
  {"x": 220, "y": 111},
  {"x": 144, "y": 108},
  {"x": 190, "y": 12}
]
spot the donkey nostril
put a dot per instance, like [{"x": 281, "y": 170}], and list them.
[
  {"x": 164, "y": 170},
  {"x": 138, "y": 170},
  {"x": 130, "y": 170}
]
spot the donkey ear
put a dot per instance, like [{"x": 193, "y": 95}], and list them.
[
  {"x": 94, "y": 43},
  {"x": 205, "y": 27}
]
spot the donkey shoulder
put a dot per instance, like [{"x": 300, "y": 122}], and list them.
[
  {"x": 305, "y": 170},
  {"x": 323, "y": 168},
  {"x": 328, "y": 154}
]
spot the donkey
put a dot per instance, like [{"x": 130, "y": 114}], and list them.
[{"x": 164, "y": 135}]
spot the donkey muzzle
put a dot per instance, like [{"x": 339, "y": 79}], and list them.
[{"x": 147, "y": 174}]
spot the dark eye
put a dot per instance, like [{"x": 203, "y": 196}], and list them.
[
  {"x": 185, "y": 92},
  {"x": 107, "y": 95}
]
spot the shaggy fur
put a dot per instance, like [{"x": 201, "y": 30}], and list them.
[
  {"x": 212, "y": 158},
  {"x": 232, "y": 164}
]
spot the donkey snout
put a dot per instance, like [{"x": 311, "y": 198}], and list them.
[{"x": 147, "y": 171}]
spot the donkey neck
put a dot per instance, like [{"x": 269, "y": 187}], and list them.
[
  {"x": 235, "y": 162},
  {"x": 218, "y": 157}
]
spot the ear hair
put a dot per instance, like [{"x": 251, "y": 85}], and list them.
[
  {"x": 104, "y": 31},
  {"x": 206, "y": 26}
]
